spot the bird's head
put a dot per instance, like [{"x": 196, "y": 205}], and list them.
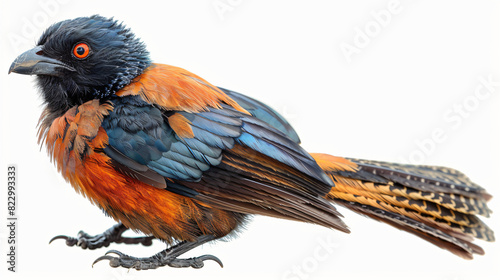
[{"x": 82, "y": 59}]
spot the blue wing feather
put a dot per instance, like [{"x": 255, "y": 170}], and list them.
[
  {"x": 141, "y": 132},
  {"x": 264, "y": 113}
]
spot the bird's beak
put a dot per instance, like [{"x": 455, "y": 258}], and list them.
[{"x": 33, "y": 62}]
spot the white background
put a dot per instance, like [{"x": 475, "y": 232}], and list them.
[{"x": 396, "y": 90}]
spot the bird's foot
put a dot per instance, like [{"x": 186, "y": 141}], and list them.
[
  {"x": 112, "y": 235},
  {"x": 163, "y": 258},
  {"x": 153, "y": 262}
]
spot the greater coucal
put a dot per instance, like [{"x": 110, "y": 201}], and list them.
[{"x": 164, "y": 152}]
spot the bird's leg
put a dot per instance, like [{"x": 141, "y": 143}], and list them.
[
  {"x": 112, "y": 235},
  {"x": 165, "y": 257}
]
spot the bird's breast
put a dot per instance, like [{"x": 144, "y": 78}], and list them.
[{"x": 75, "y": 142}]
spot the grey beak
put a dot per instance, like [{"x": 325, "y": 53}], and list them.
[{"x": 33, "y": 62}]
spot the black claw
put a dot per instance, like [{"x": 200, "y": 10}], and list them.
[
  {"x": 211, "y": 258},
  {"x": 59, "y": 237},
  {"x": 70, "y": 241},
  {"x": 197, "y": 262},
  {"x": 120, "y": 254},
  {"x": 122, "y": 260},
  {"x": 109, "y": 258}
]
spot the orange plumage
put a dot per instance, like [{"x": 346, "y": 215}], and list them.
[{"x": 176, "y": 89}]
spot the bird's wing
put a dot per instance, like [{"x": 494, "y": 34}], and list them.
[
  {"x": 196, "y": 141},
  {"x": 264, "y": 113},
  {"x": 182, "y": 145}
]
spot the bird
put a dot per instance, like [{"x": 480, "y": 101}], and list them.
[{"x": 167, "y": 154}]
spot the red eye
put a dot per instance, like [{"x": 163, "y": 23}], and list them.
[{"x": 81, "y": 50}]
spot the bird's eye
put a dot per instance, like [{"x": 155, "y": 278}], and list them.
[{"x": 81, "y": 50}]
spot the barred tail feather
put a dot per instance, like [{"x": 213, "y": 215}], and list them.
[{"x": 435, "y": 203}]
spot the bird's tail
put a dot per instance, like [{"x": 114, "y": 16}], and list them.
[{"x": 437, "y": 204}]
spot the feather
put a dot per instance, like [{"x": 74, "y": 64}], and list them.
[{"x": 424, "y": 203}]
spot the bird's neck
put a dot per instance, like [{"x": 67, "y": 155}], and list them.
[{"x": 60, "y": 95}]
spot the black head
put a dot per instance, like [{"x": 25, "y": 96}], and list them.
[{"x": 82, "y": 59}]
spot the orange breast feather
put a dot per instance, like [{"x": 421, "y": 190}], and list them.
[{"x": 75, "y": 141}]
